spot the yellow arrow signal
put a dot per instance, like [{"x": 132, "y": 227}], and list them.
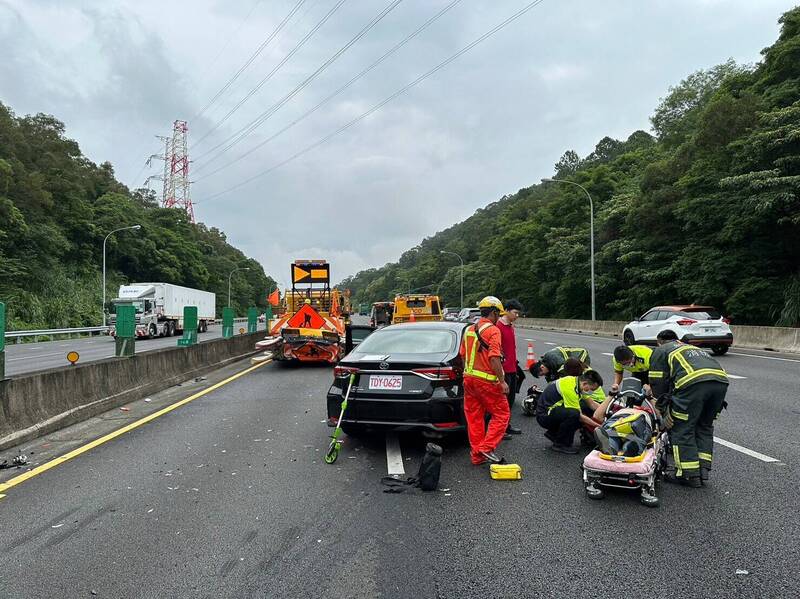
[
  {"x": 319, "y": 273},
  {"x": 298, "y": 274}
]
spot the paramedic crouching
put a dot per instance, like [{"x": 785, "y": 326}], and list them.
[{"x": 558, "y": 409}]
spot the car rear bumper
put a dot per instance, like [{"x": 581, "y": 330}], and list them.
[
  {"x": 708, "y": 341},
  {"x": 399, "y": 426},
  {"x": 436, "y": 414}
]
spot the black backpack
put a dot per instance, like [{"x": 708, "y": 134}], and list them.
[{"x": 427, "y": 477}]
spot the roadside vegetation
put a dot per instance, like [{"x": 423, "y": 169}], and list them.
[
  {"x": 56, "y": 206},
  {"x": 704, "y": 210}
]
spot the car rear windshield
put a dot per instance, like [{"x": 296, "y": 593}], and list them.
[
  {"x": 409, "y": 341},
  {"x": 702, "y": 314},
  {"x": 416, "y": 303}
]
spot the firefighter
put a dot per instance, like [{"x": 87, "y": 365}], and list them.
[
  {"x": 551, "y": 364},
  {"x": 485, "y": 389},
  {"x": 633, "y": 358},
  {"x": 562, "y": 407},
  {"x": 691, "y": 385}
]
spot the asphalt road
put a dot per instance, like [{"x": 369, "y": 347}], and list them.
[
  {"x": 228, "y": 496},
  {"x": 28, "y": 357}
]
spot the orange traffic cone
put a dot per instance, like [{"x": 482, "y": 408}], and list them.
[
  {"x": 412, "y": 318},
  {"x": 531, "y": 359}
]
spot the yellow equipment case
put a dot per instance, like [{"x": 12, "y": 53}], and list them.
[{"x": 505, "y": 471}]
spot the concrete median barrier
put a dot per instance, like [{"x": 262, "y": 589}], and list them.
[
  {"x": 770, "y": 338},
  {"x": 39, "y": 403}
]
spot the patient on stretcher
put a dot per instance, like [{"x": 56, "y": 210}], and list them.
[{"x": 627, "y": 420}]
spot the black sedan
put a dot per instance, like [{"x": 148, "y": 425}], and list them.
[{"x": 407, "y": 376}]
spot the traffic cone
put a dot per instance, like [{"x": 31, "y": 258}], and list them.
[
  {"x": 531, "y": 359},
  {"x": 412, "y": 318}
]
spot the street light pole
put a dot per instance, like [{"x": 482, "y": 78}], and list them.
[
  {"x": 136, "y": 227},
  {"x": 229, "y": 281},
  {"x": 462, "y": 275},
  {"x": 591, "y": 231}
]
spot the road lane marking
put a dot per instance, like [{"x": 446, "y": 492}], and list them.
[
  {"x": 744, "y": 450},
  {"x": 550, "y": 343},
  {"x": 735, "y": 376},
  {"x": 113, "y": 435},
  {"x": 763, "y": 357},
  {"x": 394, "y": 456},
  {"x": 605, "y": 353},
  {"x": 37, "y": 355}
]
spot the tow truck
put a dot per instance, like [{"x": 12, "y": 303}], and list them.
[
  {"x": 312, "y": 325},
  {"x": 416, "y": 307}
]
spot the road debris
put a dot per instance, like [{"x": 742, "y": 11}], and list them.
[{"x": 740, "y": 572}]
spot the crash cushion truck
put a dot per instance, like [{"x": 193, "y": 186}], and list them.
[{"x": 159, "y": 307}]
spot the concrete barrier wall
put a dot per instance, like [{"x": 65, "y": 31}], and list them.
[
  {"x": 41, "y": 402},
  {"x": 771, "y": 338}
]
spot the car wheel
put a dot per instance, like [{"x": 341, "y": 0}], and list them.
[
  {"x": 720, "y": 350},
  {"x": 628, "y": 337}
]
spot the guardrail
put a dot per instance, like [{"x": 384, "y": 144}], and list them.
[{"x": 53, "y": 332}]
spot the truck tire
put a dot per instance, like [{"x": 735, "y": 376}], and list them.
[
  {"x": 152, "y": 331},
  {"x": 170, "y": 329}
]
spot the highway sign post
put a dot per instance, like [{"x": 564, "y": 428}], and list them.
[
  {"x": 126, "y": 331},
  {"x": 189, "y": 327},
  {"x": 2, "y": 341},
  {"x": 252, "y": 320},
  {"x": 227, "y": 323}
]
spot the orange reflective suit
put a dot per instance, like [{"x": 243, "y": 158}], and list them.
[{"x": 482, "y": 390}]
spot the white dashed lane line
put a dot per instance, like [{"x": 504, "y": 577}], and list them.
[
  {"x": 394, "y": 456},
  {"x": 746, "y": 451}
]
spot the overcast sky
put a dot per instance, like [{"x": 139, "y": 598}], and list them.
[{"x": 561, "y": 77}]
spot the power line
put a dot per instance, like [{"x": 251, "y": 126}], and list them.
[
  {"x": 260, "y": 119},
  {"x": 252, "y": 57},
  {"x": 261, "y": 83},
  {"x": 382, "y": 103},
  {"x": 233, "y": 35},
  {"x": 308, "y": 113}
]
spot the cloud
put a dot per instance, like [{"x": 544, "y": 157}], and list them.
[{"x": 118, "y": 72}]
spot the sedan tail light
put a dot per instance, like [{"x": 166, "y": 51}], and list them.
[
  {"x": 685, "y": 322},
  {"x": 445, "y": 373},
  {"x": 341, "y": 371}
]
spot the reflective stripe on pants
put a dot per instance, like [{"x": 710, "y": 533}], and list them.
[
  {"x": 481, "y": 398},
  {"x": 693, "y": 436}
]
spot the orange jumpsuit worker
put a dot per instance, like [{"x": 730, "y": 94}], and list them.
[{"x": 485, "y": 389}]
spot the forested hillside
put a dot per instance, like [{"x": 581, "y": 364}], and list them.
[
  {"x": 56, "y": 207},
  {"x": 706, "y": 210}
]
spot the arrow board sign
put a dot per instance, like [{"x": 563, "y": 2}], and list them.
[{"x": 311, "y": 273}]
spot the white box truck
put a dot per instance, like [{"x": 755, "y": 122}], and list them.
[{"x": 159, "y": 308}]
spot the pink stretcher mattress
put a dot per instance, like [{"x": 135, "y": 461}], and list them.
[{"x": 593, "y": 461}]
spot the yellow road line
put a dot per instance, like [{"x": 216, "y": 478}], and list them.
[{"x": 113, "y": 435}]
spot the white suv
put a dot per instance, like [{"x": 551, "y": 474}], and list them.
[{"x": 703, "y": 326}]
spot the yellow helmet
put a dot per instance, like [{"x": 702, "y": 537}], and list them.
[{"x": 491, "y": 301}]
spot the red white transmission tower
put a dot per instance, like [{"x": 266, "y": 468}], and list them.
[{"x": 176, "y": 171}]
